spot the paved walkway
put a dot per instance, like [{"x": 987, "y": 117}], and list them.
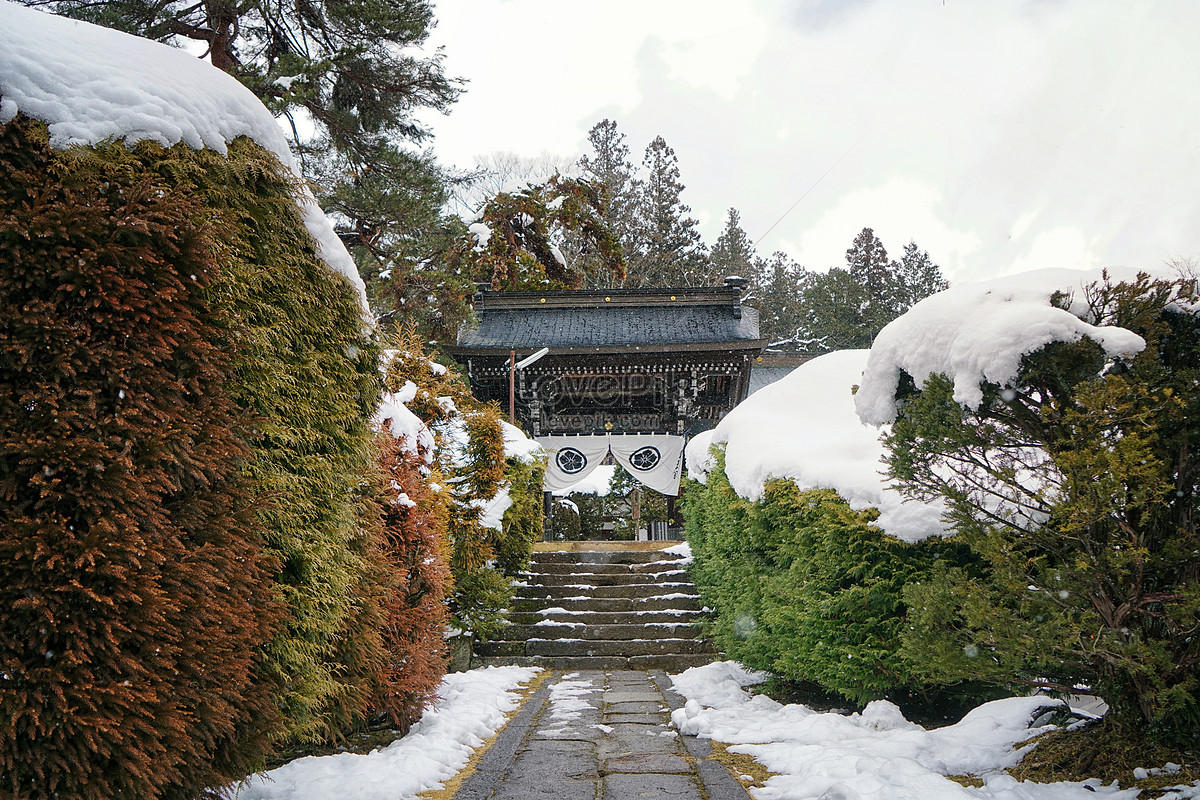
[{"x": 599, "y": 735}]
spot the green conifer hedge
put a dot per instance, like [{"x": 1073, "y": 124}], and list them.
[{"x": 805, "y": 587}]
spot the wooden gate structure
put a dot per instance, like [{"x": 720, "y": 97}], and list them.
[{"x": 626, "y": 364}]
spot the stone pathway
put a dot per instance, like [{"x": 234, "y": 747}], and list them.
[{"x": 599, "y": 735}]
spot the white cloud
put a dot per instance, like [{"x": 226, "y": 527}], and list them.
[
  {"x": 899, "y": 210},
  {"x": 987, "y": 132}
]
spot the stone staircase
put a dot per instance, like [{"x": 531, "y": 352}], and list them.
[{"x": 603, "y": 609}]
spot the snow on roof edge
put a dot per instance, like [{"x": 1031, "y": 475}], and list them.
[{"x": 90, "y": 84}]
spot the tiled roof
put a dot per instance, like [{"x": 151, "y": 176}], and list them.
[{"x": 622, "y": 323}]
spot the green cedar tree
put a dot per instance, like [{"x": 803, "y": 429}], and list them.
[{"x": 665, "y": 248}]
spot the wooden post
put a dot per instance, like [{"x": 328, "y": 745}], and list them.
[
  {"x": 512, "y": 387},
  {"x": 635, "y": 501}
]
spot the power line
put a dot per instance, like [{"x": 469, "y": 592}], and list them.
[{"x": 810, "y": 188}]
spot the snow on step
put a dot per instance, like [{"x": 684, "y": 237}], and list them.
[{"x": 631, "y": 609}]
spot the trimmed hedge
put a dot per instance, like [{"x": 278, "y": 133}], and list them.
[
  {"x": 416, "y": 583},
  {"x": 134, "y": 594},
  {"x": 805, "y": 587},
  {"x": 306, "y": 368}
]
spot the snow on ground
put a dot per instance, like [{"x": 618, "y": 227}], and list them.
[
  {"x": 804, "y": 427},
  {"x": 90, "y": 84},
  {"x": 979, "y": 331},
  {"x": 566, "y": 701},
  {"x": 471, "y": 707},
  {"x": 875, "y": 754}
]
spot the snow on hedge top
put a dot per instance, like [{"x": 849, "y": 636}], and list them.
[
  {"x": 518, "y": 445},
  {"x": 978, "y": 332},
  {"x": 90, "y": 84},
  {"x": 803, "y": 427}
]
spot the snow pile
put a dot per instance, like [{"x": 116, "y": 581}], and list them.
[
  {"x": 407, "y": 427},
  {"x": 803, "y": 427},
  {"x": 875, "y": 754},
  {"x": 978, "y": 332},
  {"x": 471, "y": 706},
  {"x": 90, "y": 84},
  {"x": 518, "y": 445}
]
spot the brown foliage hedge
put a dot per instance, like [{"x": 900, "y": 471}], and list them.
[
  {"x": 416, "y": 582},
  {"x": 134, "y": 596}
]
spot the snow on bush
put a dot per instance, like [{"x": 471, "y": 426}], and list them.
[
  {"x": 804, "y": 428},
  {"x": 91, "y": 84},
  {"x": 979, "y": 331}
]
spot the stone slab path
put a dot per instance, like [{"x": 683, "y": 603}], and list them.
[{"x": 599, "y": 735}]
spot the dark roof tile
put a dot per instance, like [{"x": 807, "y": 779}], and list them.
[{"x": 603, "y": 326}]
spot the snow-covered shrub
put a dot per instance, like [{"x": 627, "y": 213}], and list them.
[
  {"x": 492, "y": 489},
  {"x": 1058, "y": 415},
  {"x": 804, "y": 586},
  {"x": 135, "y": 595}
]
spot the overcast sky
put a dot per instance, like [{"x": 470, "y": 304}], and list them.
[{"x": 1000, "y": 136}]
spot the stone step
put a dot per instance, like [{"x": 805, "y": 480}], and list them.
[
  {"x": 673, "y": 664},
  {"x": 593, "y": 647},
  {"x": 609, "y": 604},
  {"x": 607, "y": 618},
  {"x": 604, "y": 557},
  {"x": 599, "y": 592},
  {"x": 583, "y": 630},
  {"x": 571, "y": 567},
  {"x": 606, "y": 579}
]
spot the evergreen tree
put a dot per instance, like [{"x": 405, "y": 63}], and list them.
[
  {"x": 652, "y": 505},
  {"x": 868, "y": 264},
  {"x": 1076, "y": 485},
  {"x": 733, "y": 253},
  {"x": 846, "y": 308},
  {"x": 666, "y": 247},
  {"x": 833, "y": 319},
  {"x": 917, "y": 276},
  {"x": 516, "y": 242},
  {"x": 609, "y": 168},
  {"x": 779, "y": 295}
]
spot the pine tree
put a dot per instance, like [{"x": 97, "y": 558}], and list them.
[
  {"x": 609, "y": 168},
  {"x": 1076, "y": 484},
  {"x": 667, "y": 249},
  {"x": 515, "y": 243},
  {"x": 733, "y": 253}
]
